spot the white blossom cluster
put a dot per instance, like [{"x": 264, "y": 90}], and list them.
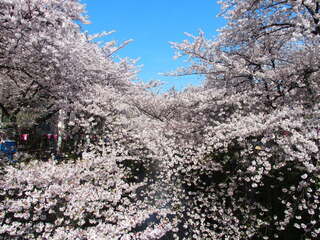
[
  {"x": 88, "y": 199},
  {"x": 242, "y": 175}
]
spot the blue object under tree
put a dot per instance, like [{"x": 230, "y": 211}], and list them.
[{"x": 9, "y": 147}]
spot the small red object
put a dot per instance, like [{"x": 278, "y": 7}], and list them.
[
  {"x": 55, "y": 137},
  {"x": 24, "y": 136},
  {"x": 49, "y": 135},
  {"x": 94, "y": 137},
  {"x": 286, "y": 133}
]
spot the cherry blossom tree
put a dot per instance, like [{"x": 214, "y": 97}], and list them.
[
  {"x": 244, "y": 157},
  {"x": 269, "y": 46},
  {"x": 237, "y": 158},
  {"x": 48, "y": 62},
  {"x": 49, "y": 65}
]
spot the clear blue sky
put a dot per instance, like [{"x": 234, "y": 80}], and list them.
[{"x": 152, "y": 24}]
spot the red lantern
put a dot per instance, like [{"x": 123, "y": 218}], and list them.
[{"x": 24, "y": 137}]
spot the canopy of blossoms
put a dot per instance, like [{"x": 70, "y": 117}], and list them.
[{"x": 237, "y": 158}]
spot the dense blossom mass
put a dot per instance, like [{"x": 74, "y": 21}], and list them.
[{"x": 237, "y": 158}]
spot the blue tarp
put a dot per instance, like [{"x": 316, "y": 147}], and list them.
[{"x": 9, "y": 147}]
